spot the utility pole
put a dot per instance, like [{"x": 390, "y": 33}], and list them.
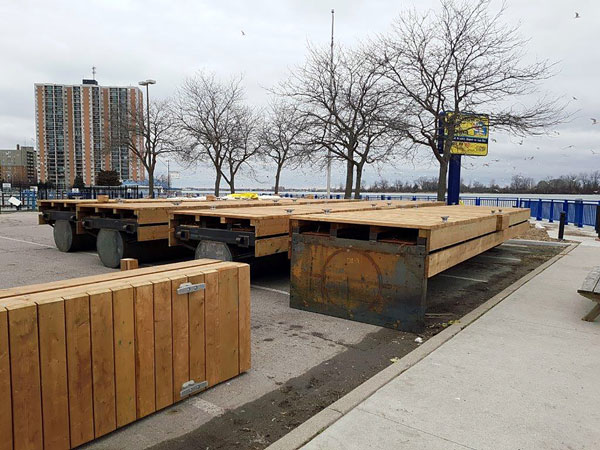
[
  {"x": 168, "y": 178},
  {"x": 147, "y": 83},
  {"x": 331, "y": 84}
]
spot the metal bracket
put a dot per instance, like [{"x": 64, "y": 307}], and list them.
[
  {"x": 234, "y": 237},
  {"x": 191, "y": 387},
  {"x": 97, "y": 223},
  {"x": 186, "y": 288}
]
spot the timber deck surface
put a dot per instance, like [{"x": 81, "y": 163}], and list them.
[
  {"x": 273, "y": 212},
  {"x": 419, "y": 218}
]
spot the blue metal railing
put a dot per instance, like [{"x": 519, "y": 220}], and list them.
[{"x": 579, "y": 212}]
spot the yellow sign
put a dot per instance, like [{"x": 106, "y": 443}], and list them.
[{"x": 471, "y": 136}]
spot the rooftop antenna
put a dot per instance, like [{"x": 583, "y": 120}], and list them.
[{"x": 93, "y": 72}]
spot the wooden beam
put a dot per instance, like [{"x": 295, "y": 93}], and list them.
[{"x": 451, "y": 256}]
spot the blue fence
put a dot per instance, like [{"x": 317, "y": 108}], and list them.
[{"x": 579, "y": 212}]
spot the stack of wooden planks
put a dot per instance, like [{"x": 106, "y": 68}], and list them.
[
  {"x": 80, "y": 358},
  {"x": 373, "y": 266},
  {"x": 263, "y": 231}
]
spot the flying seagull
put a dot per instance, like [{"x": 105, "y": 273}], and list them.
[
  {"x": 243, "y": 34},
  {"x": 594, "y": 121},
  {"x": 595, "y": 153},
  {"x": 577, "y": 16}
]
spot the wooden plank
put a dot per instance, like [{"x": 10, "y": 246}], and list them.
[
  {"x": 270, "y": 227},
  {"x": 25, "y": 376},
  {"x": 212, "y": 327},
  {"x": 129, "y": 263},
  {"x": 154, "y": 232},
  {"x": 271, "y": 246},
  {"x": 591, "y": 316},
  {"x": 244, "y": 318},
  {"x": 123, "y": 320},
  {"x": 144, "y": 349},
  {"x": 63, "y": 284},
  {"x": 591, "y": 282},
  {"x": 79, "y": 368},
  {"x": 223, "y": 345},
  {"x": 6, "y": 442},
  {"x": 451, "y": 256},
  {"x": 103, "y": 362},
  {"x": 53, "y": 365},
  {"x": 416, "y": 218},
  {"x": 163, "y": 343},
  {"x": 459, "y": 232},
  {"x": 181, "y": 341},
  {"x": 197, "y": 352}
]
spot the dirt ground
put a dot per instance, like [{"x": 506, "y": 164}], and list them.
[
  {"x": 537, "y": 234},
  {"x": 257, "y": 424}
]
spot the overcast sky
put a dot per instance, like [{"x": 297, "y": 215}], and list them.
[{"x": 59, "y": 42}]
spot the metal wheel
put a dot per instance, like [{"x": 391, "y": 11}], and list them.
[
  {"x": 213, "y": 250},
  {"x": 111, "y": 247},
  {"x": 67, "y": 239}
]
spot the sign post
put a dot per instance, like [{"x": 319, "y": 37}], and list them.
[
  {"x": 470, "y": 138},
  {"x": 454, "y": 179}
]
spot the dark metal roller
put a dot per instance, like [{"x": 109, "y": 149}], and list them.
[
  {"x": 214, "y": 250},
  {"x": 66, "y": 238},
  {"x": 111, "y": 246}
]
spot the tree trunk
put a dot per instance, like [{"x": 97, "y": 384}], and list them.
[
  {"x": 217, "y": 183},
  {"x": 277, "y": 176},
  {"x": 231, "y": 182},
  {"x": 349, "y": 175},
  {"x": 357, "y": 188},
  {"x": 442, "y": 180},
  {"x": 151, "y": 183}
]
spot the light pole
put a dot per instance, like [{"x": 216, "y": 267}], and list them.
[
  {"x": 147, "y": 83},
  {"x": 331, "y": 81}
]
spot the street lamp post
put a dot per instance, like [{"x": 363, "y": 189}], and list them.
[{"x": 147, "y": 83}]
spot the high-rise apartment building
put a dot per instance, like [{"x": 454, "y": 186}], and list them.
[
  {"x": 19, "y": 166},
  {"x": 78, "y": 130}
]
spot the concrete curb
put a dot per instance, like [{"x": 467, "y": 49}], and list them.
[
  {"x": 325, "y": 418},
  {"x": 540, "y": 243}
]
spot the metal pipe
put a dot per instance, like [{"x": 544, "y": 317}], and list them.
[{"x": 561, "y": 225}]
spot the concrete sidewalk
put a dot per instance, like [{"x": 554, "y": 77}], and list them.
[{"x": 525, "y": 375}]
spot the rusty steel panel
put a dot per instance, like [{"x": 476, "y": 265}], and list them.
[{"x": 373, "y": 282}]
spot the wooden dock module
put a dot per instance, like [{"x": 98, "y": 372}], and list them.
[
  {"x": 255, "y": 232},
  {"x": 373, "y": 266},
  {"x": 88, "y": 358}
]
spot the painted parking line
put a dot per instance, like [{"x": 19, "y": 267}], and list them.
[
  {"x": 264, "y": 288},
  {"x": 501, "y": 258},
  {"x": 26, "y": 242},
  {"x": 514, "y": 250},
  {"x": 38, "y": 244},
  {"x": 462, "y": 278},
  {"x": 505, "y": 244}
]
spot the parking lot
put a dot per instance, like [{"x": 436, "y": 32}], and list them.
[{"x": 301, "y": 361}]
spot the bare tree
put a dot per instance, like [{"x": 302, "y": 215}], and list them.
[
  {"x": 344, "y": 106},
  {"x": 217, "y": 125},
  {"x": 281, "y": 136},
  {"x": 243, "y": 146},
  {"x": 145, "y": 138},
  {"x": 463, "y": 59}
]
